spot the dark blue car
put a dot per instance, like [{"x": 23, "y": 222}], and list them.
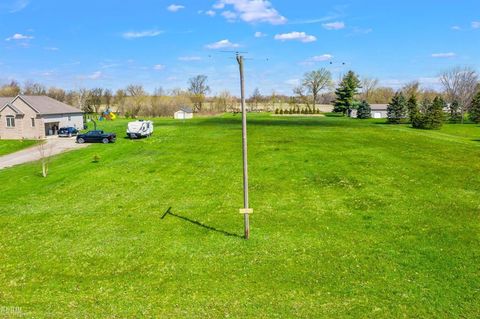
[
  {"x": 96, "y": 137},
  {"x": 67, "y": 132}
]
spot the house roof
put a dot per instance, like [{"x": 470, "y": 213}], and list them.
[
  {"x": 5, "y": 100},
  {"x": 379, "y": 107},
  {"x": 12, "y": 107},
  {"x": 46, "y": 105},
  {"x": 186, "y": 110}
]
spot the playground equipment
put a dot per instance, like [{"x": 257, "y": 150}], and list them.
[{"x": 107, "y": 116}]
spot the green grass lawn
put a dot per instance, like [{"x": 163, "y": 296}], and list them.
[
  {"x": 353, "y": 219},
  {"x": 11, "y": 146}
]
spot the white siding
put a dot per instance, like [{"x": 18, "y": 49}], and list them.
[
  {"x": 65, "y": 120},
  {"x": 181, "y": 115}
]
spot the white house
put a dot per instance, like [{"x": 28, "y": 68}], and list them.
[
  {"x": 379, "y": 111},
  {"x": 184, "y": 113},
  {"x": 32, "y": 117}
]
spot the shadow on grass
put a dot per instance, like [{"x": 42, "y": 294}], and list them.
[{"x": 199, "y": 224}]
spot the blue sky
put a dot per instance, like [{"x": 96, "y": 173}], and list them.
[{"x": 156, "y": 43}]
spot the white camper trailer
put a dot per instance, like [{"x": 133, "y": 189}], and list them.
[{"x": 139, "y": 129}]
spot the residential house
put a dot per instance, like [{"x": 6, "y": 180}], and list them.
[{"x": 33, "y": 117}]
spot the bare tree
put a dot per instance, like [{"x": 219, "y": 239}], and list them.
[
  {"x": 81, "y": 100},
  {"x": 11, "y": 89},
  {"x": 138, "y": 99},
  {"x": 119, "y": 100},
  {"x": 316, "y": 81},
  {"x": 301, "y": 96},
  {"x": 198, "y": 90},
  {"x": 273, "y": 99},
  {"x": 411, "y": 89},
  {"x": 95, "y": 99},
  {"x": 57, "y": 94},
  {"x": 107, "y": 97},
  {"x": 460, "y": 84},
  {"x": 224, "y": 102},
  {"x": 45, "y": 151},
  {"x": 368, "y": 85},
  {"x": 256, "y": 97},
  {"x": 33, "y": 88}
]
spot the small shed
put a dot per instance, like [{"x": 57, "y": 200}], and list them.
[
  {"x": 184, "y": 113},
  {"x": 379, "y": 111}
]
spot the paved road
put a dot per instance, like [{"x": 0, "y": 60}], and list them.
[{"x": 52, "y": 147}]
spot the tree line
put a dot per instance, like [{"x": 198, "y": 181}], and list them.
[
  {"x": 460, "y": 97},
  {"x": 131, "y": 101},
  {"x": 459, "y": 84}
]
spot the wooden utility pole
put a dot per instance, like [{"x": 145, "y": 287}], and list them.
[{"x": 246, "y": 211}]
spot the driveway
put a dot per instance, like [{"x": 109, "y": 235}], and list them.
[{"x": 52, "y": 146}]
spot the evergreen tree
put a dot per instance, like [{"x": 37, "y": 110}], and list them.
[
  {"x": 346, "y": 93},
  {"x": 364, "y": 111},
  {"x": 475, "y": 109},
  {"x": 397, "y": 108},
  {"x": 455, "y": 115},
  {"x": 431, "y": 115},
  {"x": 435, "y": 115},
  {"x": 412, "y": 108}
]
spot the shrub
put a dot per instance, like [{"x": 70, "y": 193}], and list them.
[
  {"x": 475, "y": 109},
  {"x": 364, "y": 111},
  {"x": 412, "y": 108},
  {"x": 276, "y": 111},
  {"x": 455, "y": 115},
  {"x": 396, "y": 109},
  {"x": 430, "y": 116}
]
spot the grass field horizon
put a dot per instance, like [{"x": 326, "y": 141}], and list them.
[{"x": 352, "y": 219}]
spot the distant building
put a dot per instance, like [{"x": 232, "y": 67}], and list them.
[
  {"x": 184, "y": 113},
  {"x": 32, "y": 117},
  {"x": 379, "y": 111}
]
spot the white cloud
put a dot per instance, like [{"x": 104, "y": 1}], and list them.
[
  {"x": 51, "y": 49},
  {"x": 321, "y": 58},
  {"x": 456, "y": 28},
  {"x": 222, "y": 44},
  {"x": 159, "y": 67},
  {"x": 444, "y": 55},
  {"x": 298, "y": 36},
  {"x": 259, "y": 34},
  {"x": 476, "y": 24},
  {"x": 253, "y": 11},
  {"x": 229, "y": 15},
  {"x": 189, "y": 58},
  {"x": 293, "y": 82},
  {"x": 210, "y": 13},
  {"x": 357, "y": 30},
  {"x": 94, "y": 76},
  {"x": 19, "y": 5},
  {"x": 334, "y": 25},
  {"x": 19, "y": 36},
  {"x": 141, "y": 34},
  {"x": 175, "y": 7}
]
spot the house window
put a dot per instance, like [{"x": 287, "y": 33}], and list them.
[
  {"x": 69, "y": 118},
  {"x": 33, "y": 122},
  {"x": 10, "y": 121}
]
